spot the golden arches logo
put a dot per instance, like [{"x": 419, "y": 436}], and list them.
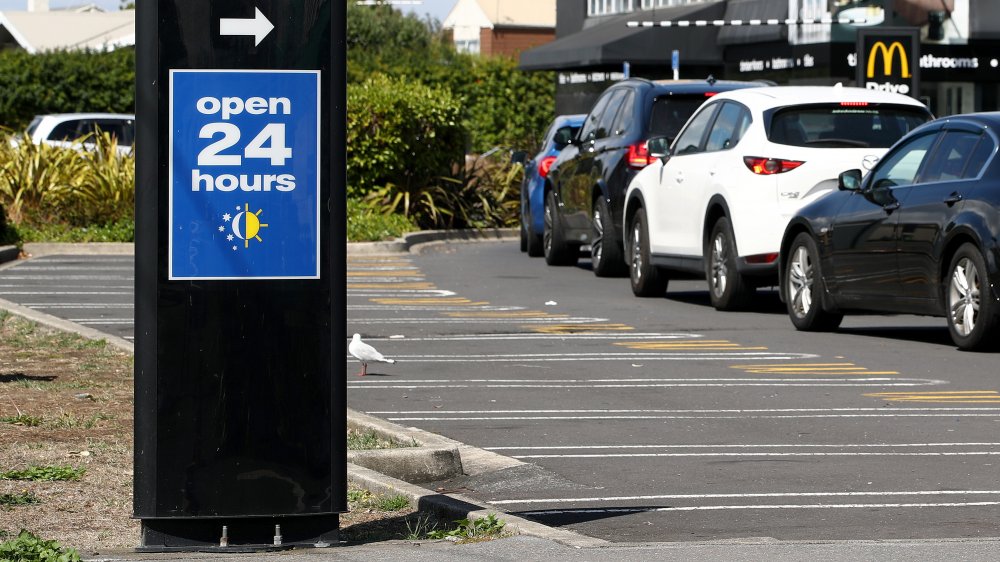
[{"x": 887, "y": 56}]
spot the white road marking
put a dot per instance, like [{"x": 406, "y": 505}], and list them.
[
  {"x": 396, "y": 292},
  {"x": 752, "y": 495},
  {"x": 736, "y": 446},
  {"x": 716, "y": 383},
  {"x": 693, "y": 355},
  {"x": 431, "y": 308},
  {"x": 519, "y": 320},
  {"x": 66, "y": 277},
  {"x": 102, "y": 321},
  {"x": 759, "y": 506},
  {"x": 757, "y": 454},
  {"x": 537, "y": 336},
  {"x": 79, "y": 305},
  {"x": 62, "y": 293}
]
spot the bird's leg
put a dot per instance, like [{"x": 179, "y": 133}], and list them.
[{"x": 364, "y": 369}]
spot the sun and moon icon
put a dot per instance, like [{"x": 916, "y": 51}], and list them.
[{"x": 245, "y": 225}]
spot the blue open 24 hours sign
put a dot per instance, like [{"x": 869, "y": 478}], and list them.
[{"x": 244, "y": 174}]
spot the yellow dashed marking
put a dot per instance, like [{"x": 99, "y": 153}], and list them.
[
  {"x": 810, "y": 368},
  {"x": 956, "y": 396},
  {"x": 363, "y": 263},
  {"x": 390, "y": 273},
  {"x": 426, "y": 300},
  {"x": 687, "y": 344},
  {"x": 506, "y": 314},
  {"x": 390, "y": 286},
  {"x": 578, "y": 328}
]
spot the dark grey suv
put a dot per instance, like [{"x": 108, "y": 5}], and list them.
[{"x": 586, "y": 186}]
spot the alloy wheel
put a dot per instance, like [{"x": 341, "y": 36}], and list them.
[
  {"x": 597, "y": 244},
  {"x": 547, "y": 230},
  {"x": 963, "y": 296},
  {"x": 636, "y": 261},
  {"x": 800, "y": 282},
  {"x": 720, "y": 272}
]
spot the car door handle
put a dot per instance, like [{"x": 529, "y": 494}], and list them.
[
  {"x": 955, "y": 197},
  {"x": 890, "y": 207}
]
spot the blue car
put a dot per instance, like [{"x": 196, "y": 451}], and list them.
[{"x": 562, "y": 129}]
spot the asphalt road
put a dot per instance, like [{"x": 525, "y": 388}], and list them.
[{"x": 648, "y": 419}]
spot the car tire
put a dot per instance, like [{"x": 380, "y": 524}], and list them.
[
  {"x": 524, "y": 236},
  {"x": 554, "y": 246},
  {"x": 536, "y": 249},
  {"x": 605, "y": 252},
  {"x": 971, "y": 310},
  {"x": 727, "y": 288},
  {"x": 803, "y": 283},
  {"x": 647, "y": 280}
]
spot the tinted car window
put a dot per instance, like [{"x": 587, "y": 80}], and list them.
[
  {"x": 901, "y": 167},
  {"x": 590, "y": 125},
  {"x": 626, "y": 115},
  {"x": 836, "y": 125},
  {"x": 604, "y": 127},
  {"x": 671, "y": 112},
  {"x": 729, "y": 126},
  {"x": 951, "y": 156},
  {"x": 67, "y": 130},
  {"x": 980, "y": 157},
  {"x": 691, "y": 137}
]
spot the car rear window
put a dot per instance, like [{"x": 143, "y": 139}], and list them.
[
  {"x": 844, "y": 126},
  {"x": 670, "y": 113}
]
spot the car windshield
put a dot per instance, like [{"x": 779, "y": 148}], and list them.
[
  {"x": 844, "y": 126},
  {"x": 670, "y": 113}
]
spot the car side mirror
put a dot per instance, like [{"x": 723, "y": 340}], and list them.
[
  {"x": 849, "y": 180},
  {"x": 518, "y": 157},
  {"x": 658, "y": 147},
  {"x": 563, "y": 136}
]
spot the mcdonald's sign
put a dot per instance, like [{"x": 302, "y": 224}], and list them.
[{"x": 889, "y": 59}]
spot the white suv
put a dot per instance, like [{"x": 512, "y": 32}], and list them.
[
  {"x": 716, "y": 203},
  {"x": 65, "y": 129}
]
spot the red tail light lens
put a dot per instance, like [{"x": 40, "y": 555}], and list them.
[
  {"x": 638, "y": 156},
  {"x": 769, "y": 166},
  {"x": 545, "y": 165},
  {"x": 761, "y": 258},
  {"x": 853, "y": 104}
]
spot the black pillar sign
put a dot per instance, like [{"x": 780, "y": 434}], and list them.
[
  {"x": 889, "y": 59},
  {"x": 240, "y": 410}
]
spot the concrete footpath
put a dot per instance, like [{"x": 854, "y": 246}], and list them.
[{"x": 436, "y": 458}]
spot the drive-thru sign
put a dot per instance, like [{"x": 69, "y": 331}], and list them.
[
  {"x": 244, "y": 174},
  {"x": 240, "y": 288}
]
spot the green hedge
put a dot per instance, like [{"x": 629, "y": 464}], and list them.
[
  {"x": 402, "y": 133},
  {"x": 64, "y": 82}
]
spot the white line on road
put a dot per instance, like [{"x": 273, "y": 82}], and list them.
[
  {"x": 62, "y": 293},
  {"x": 79, "y": 305},
  {"x": 759, "y": 506},
  {"x": 637, "y": 356},
  {"x": 520, "y": 320},
  {"x": 751, "y": 495},
  {"x": 736, "y": 446},
  {"x": 103, "y": 321},
  {"x": 767, "y": 454},
  {"x": 66, "y": 277},
  {"x": 532, "y": 336}
]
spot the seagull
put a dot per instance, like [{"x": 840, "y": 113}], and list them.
[{"x": 365, "y": 353}]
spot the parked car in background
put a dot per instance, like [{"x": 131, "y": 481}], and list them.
[
  {"x": 717, "y": 203},
  {"x": 65, "y": 129},
  {"x": 918, "y": 235},
  {"x": 585, "y": 190},
  {"x": 559, "y": 134}
]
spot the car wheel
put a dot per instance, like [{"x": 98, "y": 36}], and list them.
[
  {"x": 524, "y": 236},
  {"x": 535, "y": 245},
  {"x": 972, "y": 313},
  {"x": 605, "y": 252},
  {"x": 726, "y": 287},
  {"x": 803, "y": 282},
  {"x": 557, "y": 251},
  {"x": 647, "y": 280}
]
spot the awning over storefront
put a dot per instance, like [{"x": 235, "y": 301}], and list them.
[{"x": 612, "y": 42}]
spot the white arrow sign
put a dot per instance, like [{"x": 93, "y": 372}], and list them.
[{"x": 259, "y": 26}]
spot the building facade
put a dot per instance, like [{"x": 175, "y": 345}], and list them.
[
  {"x": 958, "y": 60},
  {"x": 507, "y": 27}
]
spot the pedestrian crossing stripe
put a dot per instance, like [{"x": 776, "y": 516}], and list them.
[
  {"x": 810, "y": 368},
  {"x": 700, "y": 344},
  {"x": 578, "y": 328},
  {"x": 953, "y": 396}
]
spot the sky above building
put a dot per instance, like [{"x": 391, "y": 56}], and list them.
[{"x": 437, "y": 9}]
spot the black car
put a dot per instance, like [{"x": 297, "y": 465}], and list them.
[
  {"x": 585, "y": 189},
  {"x": 919, "y": 235}
]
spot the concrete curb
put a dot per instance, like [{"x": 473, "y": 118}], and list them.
[
  {"x": 409, "y": 242},
  {"x": 456, "y": 506},
  {"x": 66, "y": 326},
  {"x": 435, "y": 458}
]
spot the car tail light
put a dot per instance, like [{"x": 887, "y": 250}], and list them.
[
  {"x": 638, "y": 156},
  {"x": 761, "y": 258},
  {"x": 545, "y": 165},
  {"x": 768, "y": 166}
]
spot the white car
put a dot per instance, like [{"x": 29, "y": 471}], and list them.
[
  {"x": 716, "y": 203},
  {"x": 64, "y": 129}
]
